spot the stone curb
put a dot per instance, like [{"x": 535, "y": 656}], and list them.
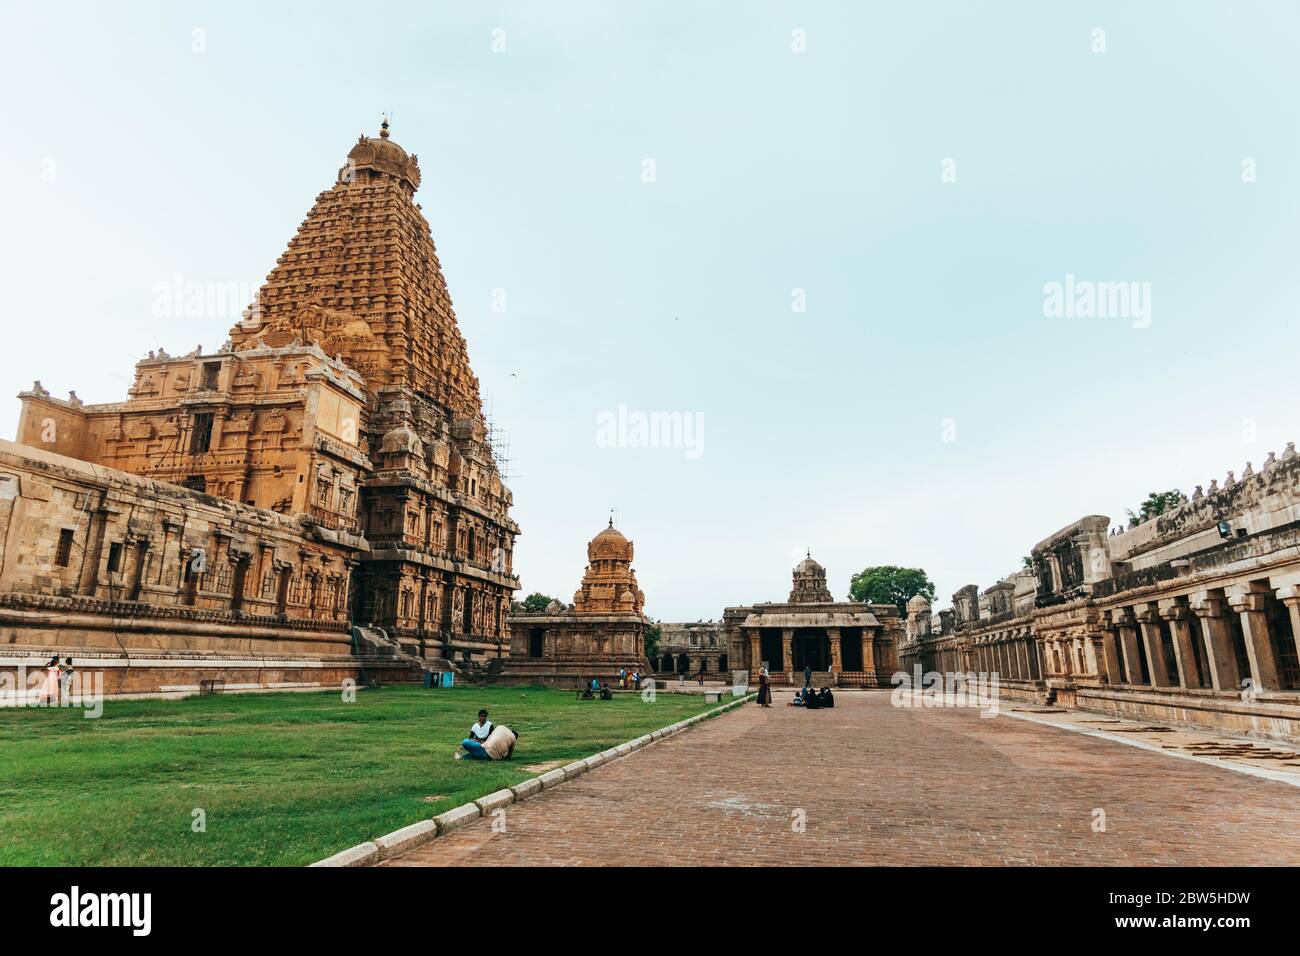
[
  {"x": 494, "y": 801},
  {"x": 363, "y": 854},
  {"x": 407, "y": 838},
  {"x": 456, "y": 817},
  {"x": 423, "y": 831}
]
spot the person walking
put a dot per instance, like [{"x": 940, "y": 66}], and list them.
[
  {"x": 764, "y": 690},
  {"x": 807, "y": 675}
]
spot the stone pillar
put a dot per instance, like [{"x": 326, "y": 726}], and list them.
[
  {"x": 833, "y": 635},
  {"x": 1290, "y": 596},
  {"x": 1121, "y": 618},
  {"x": 1104, "y": 650},
  {"x": 868, "y": 651},
  {"x": 755, "y": 654},
  {"x": 1180, "y": 627},
  {"x": 139, "y": 551},
  {"x": 1149, "y": 619},
  {"x": 1220, "y": 655},
  {"x": 1248, "y": 601},
  {"x": 787, "y": 662},
  {"x": 89, "y": 581}
]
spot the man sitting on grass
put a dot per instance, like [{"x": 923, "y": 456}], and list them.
[{"x": 500, "y": 745}]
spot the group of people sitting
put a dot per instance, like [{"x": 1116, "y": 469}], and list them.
[
  {"x": 487, "y": 741},
  {"x": 596, "y": 689},
  {"x": 812, "y": 698}
]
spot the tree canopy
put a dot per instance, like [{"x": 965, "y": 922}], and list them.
[
  {"x": 536, "y": 602},
  {"x": 890, "y": 585},
  {"x": 653, "y": 633},
  {"x": 1157, "y": 503}
]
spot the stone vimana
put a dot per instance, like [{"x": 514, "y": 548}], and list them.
[
  {"x": 318, "y": 499},
  {"x": 329, "y": 464}
]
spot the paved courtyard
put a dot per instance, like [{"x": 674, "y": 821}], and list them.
[{"x": 867, "y": 783}]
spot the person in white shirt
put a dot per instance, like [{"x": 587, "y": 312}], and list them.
[{"x": 478, "y": 735}]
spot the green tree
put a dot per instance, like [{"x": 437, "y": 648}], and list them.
[
  {"x": 536, "y": 602},
  {"x": 890, "y": 585},
  {"x": 652, "y": 635},
  {"x": 1157, "y": 503}
]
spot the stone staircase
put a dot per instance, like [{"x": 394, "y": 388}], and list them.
[
  {"x": 479, "y": 673},
  {"x": 376, "y": 642}
]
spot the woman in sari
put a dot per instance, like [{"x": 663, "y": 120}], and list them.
[
  {"x": 49, "y": 691},
  {"x": 764, "y": 691}
]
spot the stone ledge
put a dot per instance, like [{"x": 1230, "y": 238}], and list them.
[
  {"x": 527, "y": 788},
  {"x": 457, "y": 817},
  {"x": 493, "y": 801},
  {"x": 363, "y": 854},
  {"x": 552, "y": 779},
  {"x": 574, "y": 769},
  {"x": 407, "y": 838}
]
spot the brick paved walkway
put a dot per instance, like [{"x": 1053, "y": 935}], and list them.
[{"x": 884, "y": 785}]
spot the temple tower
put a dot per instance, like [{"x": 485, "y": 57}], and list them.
[
  {"x": 810, "y": 583},
  {"x": 361, "y": 280}
]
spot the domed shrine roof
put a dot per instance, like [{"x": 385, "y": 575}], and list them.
[
  {"x": 375, "y": 156},
  {"x": 609, "y": 584},
  {"x": 610, "y": 545},
  {"x": 810, "y": 583}
]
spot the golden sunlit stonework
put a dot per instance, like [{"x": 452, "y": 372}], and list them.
[{"x": 329, "y": 464}]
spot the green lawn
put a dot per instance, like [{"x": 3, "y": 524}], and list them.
[{"x": 284, "y": 779}]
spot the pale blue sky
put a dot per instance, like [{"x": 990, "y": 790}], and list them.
[{"x": 129, "y": 158}]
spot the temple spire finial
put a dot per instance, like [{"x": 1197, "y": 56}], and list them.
[{"x": 383, "y": 128}]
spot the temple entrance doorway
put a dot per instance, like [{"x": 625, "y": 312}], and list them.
[
  {"x": 769, "y": 648},
  {"x": 811, "y": 648},
  {"x": 851, "y": 651}
]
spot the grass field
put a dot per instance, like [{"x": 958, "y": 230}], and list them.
[{"x": 284, "y": 779}]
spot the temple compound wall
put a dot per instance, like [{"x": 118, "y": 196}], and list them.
[
  {"x": 340, "y": 421},
  {"x": 161, "y": 586},
  {"x": 602, "y": 631},
  {"x": 844, "y": 643},
  {"x": 689, "y": 648},
  {"x": 1189, "y": 618}
]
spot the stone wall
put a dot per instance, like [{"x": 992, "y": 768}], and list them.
[
  {"x": 686, "y": 647},
  {"x": 1189, "y": 618},
  {"x": 163, "y": 586}
]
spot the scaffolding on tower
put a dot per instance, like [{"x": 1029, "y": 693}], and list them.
[{"x": 499, "y": 442}]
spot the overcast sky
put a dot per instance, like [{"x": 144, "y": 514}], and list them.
[{"x": 820, "y": 232}]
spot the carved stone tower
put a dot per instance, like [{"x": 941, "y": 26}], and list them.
[
  {"x": 361, "y": 280},
  {"x": 810, "y": 583}
]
